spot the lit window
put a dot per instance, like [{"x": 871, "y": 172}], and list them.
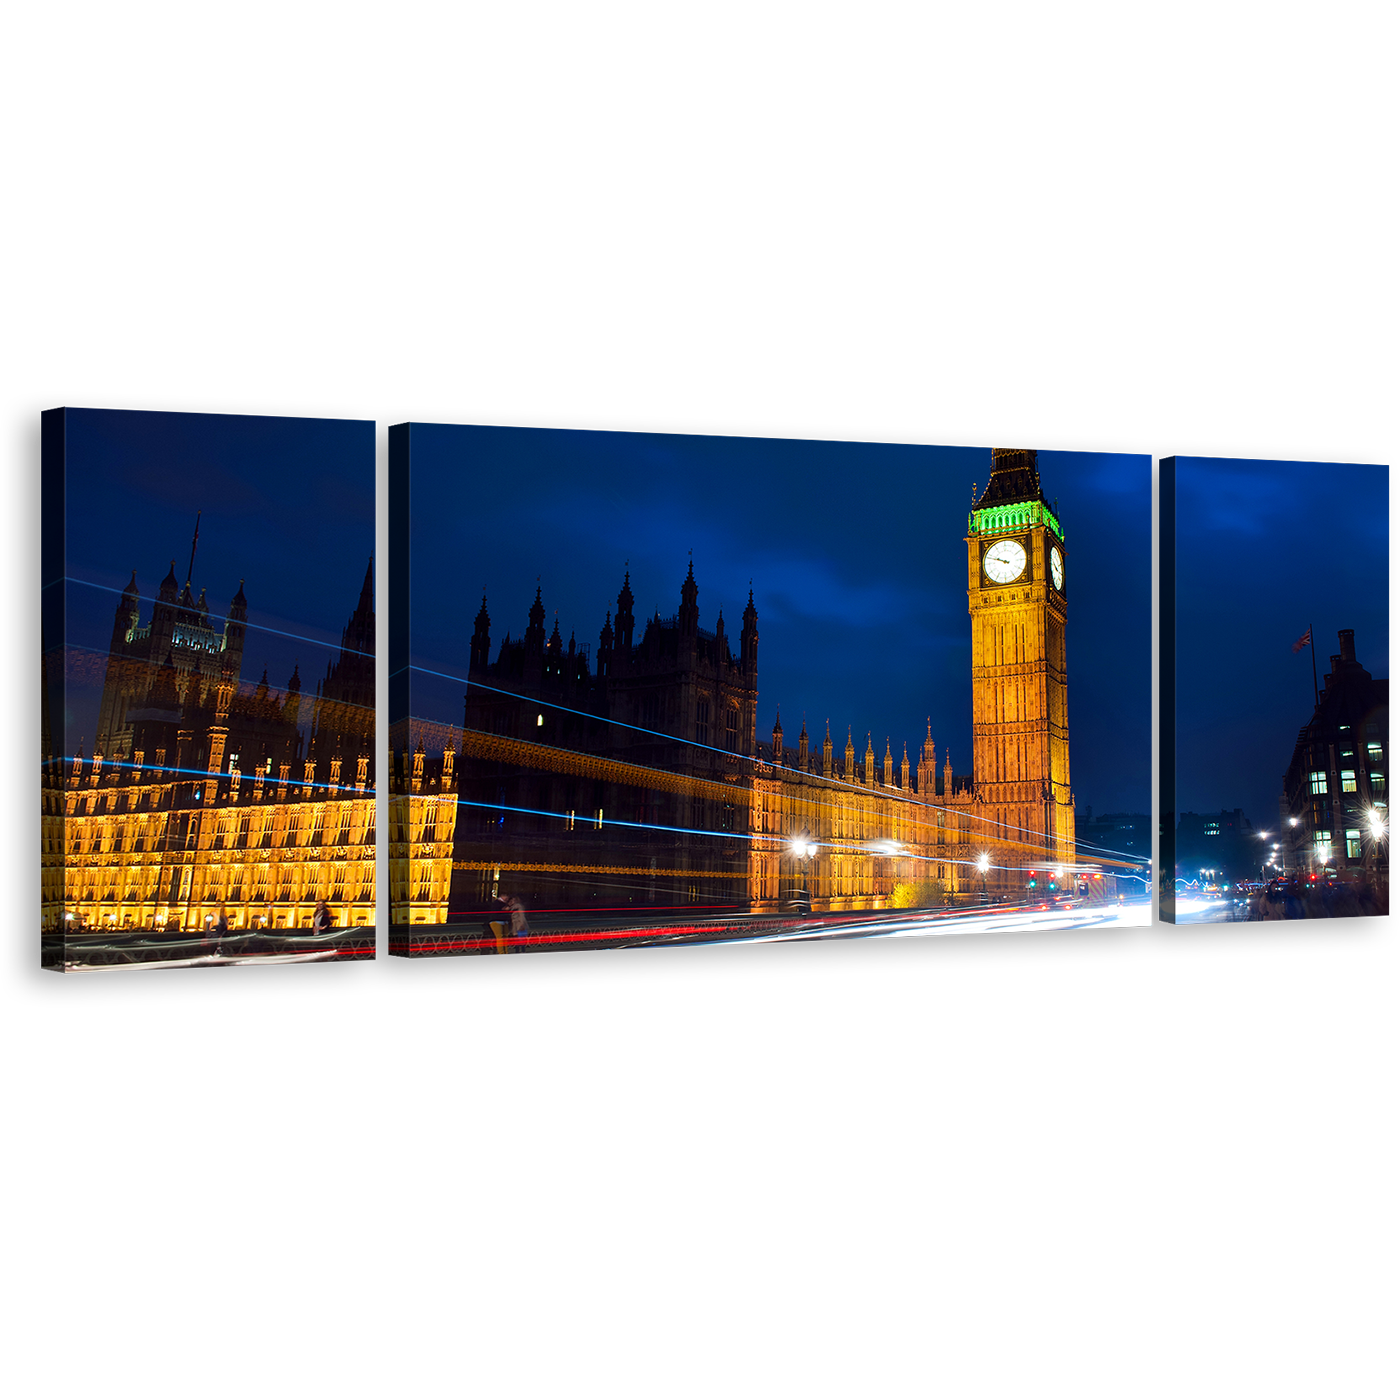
[
  {"x": 598, "y": 819},
  {"x": 1377, "y": 784},
  {"x": 1322, "y": 838},
  {"x": 1373, "y": 751},
  {"x": 1353, "y": 845},
  {"x": 1319, "y": 781},
  {"x": 1348, "y": 780},
  {"x": 539, "y": 721}
]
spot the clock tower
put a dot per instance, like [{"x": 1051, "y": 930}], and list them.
[{"x": 1016, "y": 589}]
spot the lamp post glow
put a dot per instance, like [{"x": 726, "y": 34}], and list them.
[
  {"x": 983, "y": 861},
  {"x": 804, "y": 850}
]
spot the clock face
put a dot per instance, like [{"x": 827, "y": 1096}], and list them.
[
  {"x": 1004, "y": 561},
  {"x": 1057, "y": 569}
]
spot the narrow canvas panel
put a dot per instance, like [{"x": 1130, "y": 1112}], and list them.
[
  {"x": 208, "y": 689},
  {"x": 1275, "y": 695}
]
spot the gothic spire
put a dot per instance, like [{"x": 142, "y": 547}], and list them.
[
  {"x": 1015, "y": 477},
  {"x": 480, "y": 654},
  {"x": 689, "y": 615}
]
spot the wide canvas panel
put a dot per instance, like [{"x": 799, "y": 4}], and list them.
[{"x": 656, "y": 689}]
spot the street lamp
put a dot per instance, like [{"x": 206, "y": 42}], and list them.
[
  {"x": 1375, "y": 821},
  {"x": 804, "y": 850},
  {"x": 983, "y": 861}
]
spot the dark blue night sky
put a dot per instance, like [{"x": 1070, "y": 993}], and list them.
[
  {"x": 288, "y": 506},
  {"x": 1265, "y": 549},
  {"x": 858, "y": 561}
]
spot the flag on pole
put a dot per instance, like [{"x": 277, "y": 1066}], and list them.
[{"x": 1302, "y": 641}]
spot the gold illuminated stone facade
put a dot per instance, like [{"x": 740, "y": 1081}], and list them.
[
  {"x": 883, "y": 837},
  {"x": 422, "y": 823},
  {"x": 1016, "y": 582},
  {"x": 220, "y": 792}
]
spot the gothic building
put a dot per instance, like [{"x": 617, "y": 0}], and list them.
[
  {"x": 203, "y": 789},
  {"x": 634, "y": 778}
]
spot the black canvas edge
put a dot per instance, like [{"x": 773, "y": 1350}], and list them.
[
  {"x": 52, "y": 667},
  {"x": 1166, "y": 691}
]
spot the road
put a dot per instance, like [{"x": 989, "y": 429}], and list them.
[
  {"x": 1205, "y": 909},
  {"x": 559, "y": 929},
  {"x": 922, "y": 923}
]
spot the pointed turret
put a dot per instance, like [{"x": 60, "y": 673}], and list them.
[
  {"x": 904, "y": 768},
  {"x": 534, "y": 633},
  {"x": 748, "y": 638},
  {"x": 689, "y": 615},
  {"x": 826, "y": 752},
  {"x": 928, "y": 767},
  {"x": 802, "y": 746},
  {"x": 235, "y": 628},
  {"x": 869, "y": 762},
  {"x": 357, "y": 636},
  {"x": 481, "y": 638},
  {"x": 889, "y": 764},
  {"x": 556, "y": 642},
  {"x": 128, "y": 616},
  {"x": 778, "y": 737},
  {"x": 365, "y": 607},
  {"x": 947, "y": 773},
  {"x": 605, "y": 646},
  {"x": 170, "y": 586},
  {"x": 850, "y": 757},
  {"x": 624, "y": 618}
]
